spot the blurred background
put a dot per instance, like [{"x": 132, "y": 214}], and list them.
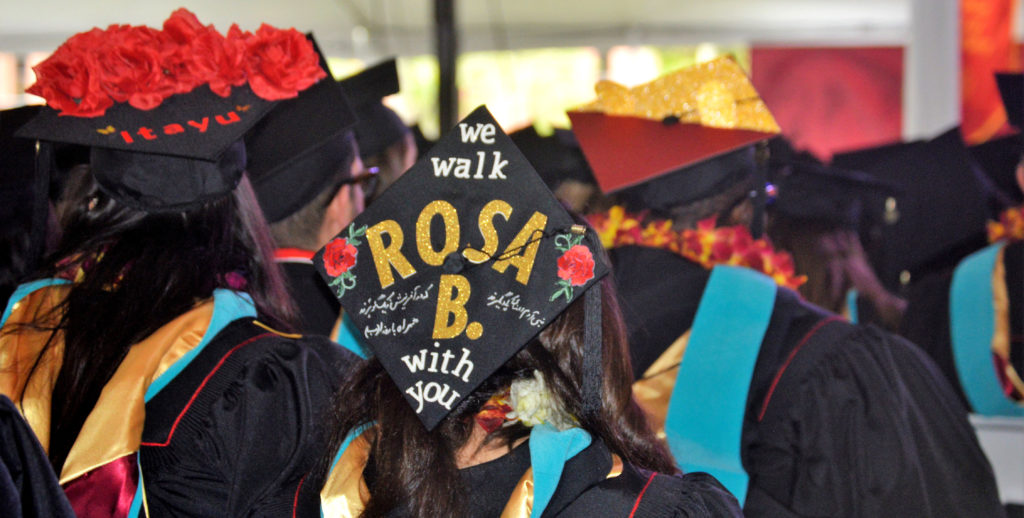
[{"x": 837, "y": 74}]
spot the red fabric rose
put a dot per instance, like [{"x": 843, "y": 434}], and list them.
[
  {"x": 339, "y": 256},
  {"x": 281, "y": 63},
  {"x": 133, "y": 67},
  {"x": 187, "y": 43},
  {"x": 144, "y": 66},
  {"x": 576, "y": 265},
  {"x": 67, "y": 79}
]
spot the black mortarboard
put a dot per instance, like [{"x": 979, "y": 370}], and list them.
[
  {"x": 23, "y": 197},
  {"x": 300, "y": 148},
  {"x": 782, "y": 153},
  {"x": 17, "y": 163},
  {"x": 167, "y": 141},
  {"x": 379, "y": 126},
  {"x": 1011, "y": 89},
  {"x": 998, "y": 159},
  {"x": 458, "y": 265},
  {"x": 556, "y": 157},
  {"x": 941, "y": 210},
  {"x": 827, "y": 194}
]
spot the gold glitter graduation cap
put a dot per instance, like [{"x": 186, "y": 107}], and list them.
[
  {"x": 716, "y": 94},
  {"x": 630, "y": 135}
]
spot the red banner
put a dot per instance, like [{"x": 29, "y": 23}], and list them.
[
  {"x": 986, "y": 48},
  {"x": 832, "y": 99}
]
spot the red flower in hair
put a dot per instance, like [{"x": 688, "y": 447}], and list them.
[
  {"x": 576, "y": 265},
  {"x": 281, "y": 63}
]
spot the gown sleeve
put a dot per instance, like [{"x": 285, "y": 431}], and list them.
[
  {"x": 250, "y": 433},
  {"x": 693, "y": 495},
  {"x": 28, "y": 486}
]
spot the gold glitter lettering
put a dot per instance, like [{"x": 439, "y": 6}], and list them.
[
  {"x": 451, "y": 232},
  {"x": 449, "y": 306},
  {"x": 486, "y": 224},
  {"x": 522, "y": 251},
  {"x": 384, "y": 258}
]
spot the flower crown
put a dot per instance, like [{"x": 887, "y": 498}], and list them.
[
  {"x": 144, "y": 66},
  {"x": 706, "y": 245}
]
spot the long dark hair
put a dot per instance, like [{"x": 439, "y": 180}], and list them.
[
  {"x": 138, "y": 271},
  {"x": 415, "y": 471}
]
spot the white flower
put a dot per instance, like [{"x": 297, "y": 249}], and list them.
[{"x": 533, "y": 404}]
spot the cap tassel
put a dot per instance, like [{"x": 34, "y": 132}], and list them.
[
  {"x": 44, "y": 163},
  {"x": 592, "y": 345}
]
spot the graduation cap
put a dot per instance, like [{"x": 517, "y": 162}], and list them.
[
  {"x": 1011, "y": 89},
  {"x": 23, "y": 196},
  {"x": 941, "y": 208},
  {"x": 164, "y": 134},
  {"x": 556, "y": 157},
  {"x": 634, "y": 135},
  {"x": 379, "y": 126},
  {"x": 998, "y": 159},
  {"x": 300, "y": 148},
  {"x": 782, "y": 153},
  {"x": 17, "y": 162},
  {"x": 842, "y": 198},
  {"x": 458, "y": 265}
]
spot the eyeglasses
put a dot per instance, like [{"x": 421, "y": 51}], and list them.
[{"x": 367, "y": 179}]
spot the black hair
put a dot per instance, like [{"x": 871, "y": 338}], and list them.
[
  {"x": 415, "y": 471},
  {"x": 136, "y": 271}
]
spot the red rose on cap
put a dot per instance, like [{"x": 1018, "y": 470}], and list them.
[
  {"x": 144, "y": 66},
  {"x": 281, "y": 63},
  {"x": 576, "y": 265},
  {"x": 339, "y": 256},
  {"x": 72, "y": 85},
  {"x": 133, "y": 69}
]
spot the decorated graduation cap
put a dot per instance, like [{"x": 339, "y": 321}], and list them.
[
  {"x": 163, "y": 110},
  {"x": 379, "y": 126},
  {"x": 941, "y": 207},
  {"x": 457, "y": 266},
  {"x": 300, "y": 148},
  {"x": 635, "y": 135}
]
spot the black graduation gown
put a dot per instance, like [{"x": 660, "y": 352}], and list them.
[
  {"x": 927, "y": 319},
  {"x": 237, "y": 431},
  {"x": 318, "y": 307},
  {"x": 28, "y": 486},
  {"x": 841, "y": 421}
]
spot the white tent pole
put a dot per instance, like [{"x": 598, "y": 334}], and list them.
[{"x": 931, "y": 74}]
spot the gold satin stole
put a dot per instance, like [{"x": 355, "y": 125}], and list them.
[
  {"x": 653, "y": 391},
  {"x": 114, "y": 427}
]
